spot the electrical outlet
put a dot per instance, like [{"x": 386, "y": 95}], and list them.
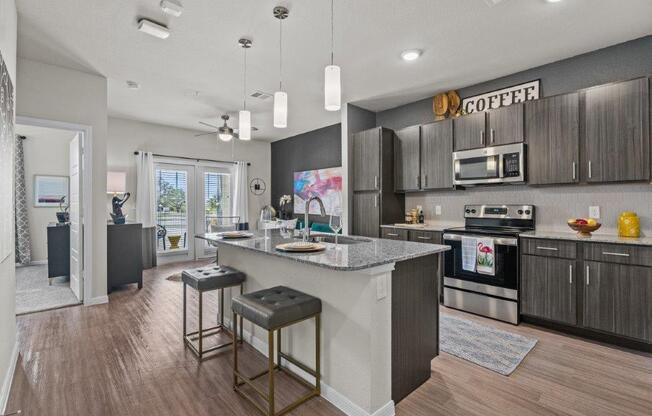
[
  {"x": 437, "y": 209},
  {"x": 594, "y": 212},
  {"x": 381, "y": 287}
]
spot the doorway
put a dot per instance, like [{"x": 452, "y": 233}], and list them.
[
  {"x": 192, "y": 197},
  {"x": 48, "y": 189}
]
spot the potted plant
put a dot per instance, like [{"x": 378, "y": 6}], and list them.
[{"x": 63, "y": 216}]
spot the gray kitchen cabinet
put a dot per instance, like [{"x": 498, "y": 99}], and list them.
[
  {"x": 616, "y": 299},
  {"x": 548, "y": 288},
  {"x": 394, "y": 233},
  {"x": 616, "y": 132},
  {"x": 505, "y": 125},
  {"x": 407, "y": 148},
  {"x": 437, "y": 155},
  {"x": 469, "y": 131},
  {"x": 431, "y": 237},
  {"x": 366, "y": 214},
  {"x": 366, "y": 160},
  {"x": 553, "y": 136}
]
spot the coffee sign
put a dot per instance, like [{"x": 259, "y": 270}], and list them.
[{"x": 501, "y": 98}]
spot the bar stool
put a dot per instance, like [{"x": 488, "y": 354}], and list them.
[
  {"x": 205, "y": 279},
  {"x": 274, "y": 309}
]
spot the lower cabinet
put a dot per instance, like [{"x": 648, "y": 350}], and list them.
[
  {"x": 394, "y": 234},
  {"x": 549, "y": 288},
  {"x": 366, "y": 214},
  {"x": 431, "y": 237},
  {"x": 617, "y": 299}
]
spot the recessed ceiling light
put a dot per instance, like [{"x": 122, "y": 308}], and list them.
[
  {"x": 411, "y": 54},
  {"x": 172, "y": 7},
  {"x": 153, "y": 29},
  {"x": 133, "y": 85},
  {"x": 553, "y": 1}
]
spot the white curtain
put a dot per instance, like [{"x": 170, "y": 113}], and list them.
[
  {"x": 241, "y": 192},
  {"x": 146, "y": 205}
]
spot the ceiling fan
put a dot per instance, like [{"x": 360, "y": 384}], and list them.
[{"x": 224, "y": 132}]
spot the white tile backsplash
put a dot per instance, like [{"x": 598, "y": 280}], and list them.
[{"x": 554, "y": 205}]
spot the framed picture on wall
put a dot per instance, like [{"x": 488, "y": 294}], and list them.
[{"x": 48, "y": 190}]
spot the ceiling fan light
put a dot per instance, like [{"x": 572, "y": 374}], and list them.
[
  {"x": 244, "y": 125},
  {"x": 225, "y": 137},
  {"x": 332, "y": 88},
  {"x": 280, "y": 109}
]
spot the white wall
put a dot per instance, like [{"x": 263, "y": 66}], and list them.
[
  {"x": 128, "y": 136},
  {"x": 8, "y": 33},
  {"x": 46, "y": 153},
  {"x": 55, "y": 93}
]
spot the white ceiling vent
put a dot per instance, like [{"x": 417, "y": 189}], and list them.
[
  {"x": 261, "y": 95},
  {"x": 492, "y": 3}
]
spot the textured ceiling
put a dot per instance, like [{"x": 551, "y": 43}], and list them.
[{"x": 464, "y": 42}]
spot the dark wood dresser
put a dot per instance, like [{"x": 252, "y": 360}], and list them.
[
  {"x": 58, "y": 250},
  {"x": 124, "y": 255}
]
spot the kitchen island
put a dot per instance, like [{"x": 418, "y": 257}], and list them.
[{"x": 379, "y": 312}]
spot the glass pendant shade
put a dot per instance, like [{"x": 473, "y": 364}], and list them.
[
  {"x": 332, "y": 88},
  {"x": 244, "y": 125},
  {"x": 225, "y": 137},
  {"x": 280, "y": 109}
]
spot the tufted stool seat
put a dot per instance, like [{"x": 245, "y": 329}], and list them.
[
  {"x": 273, "y": 309},
  {"x": 204, "y": 279}
]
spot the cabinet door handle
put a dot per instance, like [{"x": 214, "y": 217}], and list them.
[
  {"x": 482, "y": 137},
  {"x": 375, "y": 182},
  {"x": 418, "y": 181},
  {"x": 548, "y": 248},
  {"x": 375, "y": 201},
  {"x": 492, "y": 136},
  {"x": 590, "y": 170},
  {"x": 574, "y": 171},
  {"x": 426, "y": 181},
  {"x": 570, "y": 274},
  {"x": 588, "y": 272},
  {"x": 391, "y": 235},
  {"x": 608, "y": 253},
  {"x": 424, "y": 238}
]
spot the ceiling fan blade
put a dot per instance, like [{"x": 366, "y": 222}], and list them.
[
  {"x": 252, "y": 129},
  {"x": 205, "y": 134},
  {"x": 208, "y": 125}
]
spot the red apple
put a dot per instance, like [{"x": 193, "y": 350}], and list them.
[{"x": 581, "y": 221}]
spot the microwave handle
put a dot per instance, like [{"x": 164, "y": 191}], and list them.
[{"x": 501, "y": 171}]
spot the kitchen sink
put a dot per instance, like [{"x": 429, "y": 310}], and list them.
[{"x": 344, "y": 240}]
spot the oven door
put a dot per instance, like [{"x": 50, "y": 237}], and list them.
[{"x": 504, "y": 282}]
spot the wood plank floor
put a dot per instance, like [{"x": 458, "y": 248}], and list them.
[{"x": 127, "y": 358}]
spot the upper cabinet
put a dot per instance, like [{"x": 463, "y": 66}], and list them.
[
  {"x": 505, "y": 125},
  {"x": 616, "y": 135},
  {"x": 553, "y": 135},
  {"x": 423, "y": 157},
  {"x": 437, "y": 155},
  {"x": 489, "y": 128},
  {"x": 366, "y": 160},
  {"x": 470, "y": 131},
  {"x": 407, "y": 144}
]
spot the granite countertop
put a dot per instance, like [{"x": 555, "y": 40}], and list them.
[
  {"x": 425, "y": 227},
  {"x": 369, "y": 253},
  {"x": 595, "y": 238}
]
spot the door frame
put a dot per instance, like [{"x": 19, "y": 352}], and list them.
[{"x": 87, "y": 197}]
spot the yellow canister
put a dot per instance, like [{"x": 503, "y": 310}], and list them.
[{"x": 629, "y": 225}]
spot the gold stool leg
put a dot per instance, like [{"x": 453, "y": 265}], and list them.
[
  {"x": 201, "y": 337},
  {"x": 184, "y": 312},
  {"x": 241, "y": 325},
  {"x": 318, "y": 353},
  {"x": 222, "y": 308},
  {"x": 270, "y": 342},
  {"x": 235, "y": 351}
]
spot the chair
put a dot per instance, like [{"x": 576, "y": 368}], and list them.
[{"x": 161, "y": 232}]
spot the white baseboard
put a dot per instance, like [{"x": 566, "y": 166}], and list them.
[
  {"x": 8, "y": 379},
  {"x": 38, "y": 262},
  {"x": 336, "y": 398},
  {"x": 96, "y": 300}
]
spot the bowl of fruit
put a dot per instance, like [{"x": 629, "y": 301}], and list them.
[{"x": 584, "y": 226}]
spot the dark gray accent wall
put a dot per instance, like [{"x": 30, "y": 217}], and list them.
[
  {"x": 317, "y": 149},
  {"x": 616, "y": 63}
]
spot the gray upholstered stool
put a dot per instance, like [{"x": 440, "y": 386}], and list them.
[
  {"x": 204, "y": 279},
  {"x": 273, "y": 309}
]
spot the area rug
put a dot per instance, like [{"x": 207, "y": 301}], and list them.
[
  {"x": 33, "y": 294},
  {"x": 176, "y": 277},
  {"x": 497, "y": 350}
]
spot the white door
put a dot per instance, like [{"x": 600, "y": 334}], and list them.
[
  {"x": 76, "y": 242},
  {"x": 213, "y": 205},
  {"x": 175, "y": 211}
]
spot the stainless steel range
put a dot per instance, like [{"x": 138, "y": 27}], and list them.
[{"x": 481, "y": 271}]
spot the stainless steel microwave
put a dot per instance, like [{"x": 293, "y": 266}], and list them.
[{"x": 496, "y": 164}]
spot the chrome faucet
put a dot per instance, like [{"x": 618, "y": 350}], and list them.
[{"x": 306, "y": 227}]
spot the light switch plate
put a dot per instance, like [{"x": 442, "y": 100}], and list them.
[
  {"x": 594, "y": 212},
  {"x": 437, "y": 209},
  {"x": 381, "y": 287}
]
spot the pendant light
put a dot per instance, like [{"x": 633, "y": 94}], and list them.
[
  {"x": 244, "y": 116},
  {"x": 280, "y": 96},
  {"x": 332, "y": 83}
]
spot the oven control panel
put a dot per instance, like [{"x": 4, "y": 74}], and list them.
[{"x": 525, "y": 212}]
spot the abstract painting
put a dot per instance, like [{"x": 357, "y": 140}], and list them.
[
  {"x": 48, "y": 190},
  {"x": 324, "y": 183},
  {"x": 6, "y": 162}
]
